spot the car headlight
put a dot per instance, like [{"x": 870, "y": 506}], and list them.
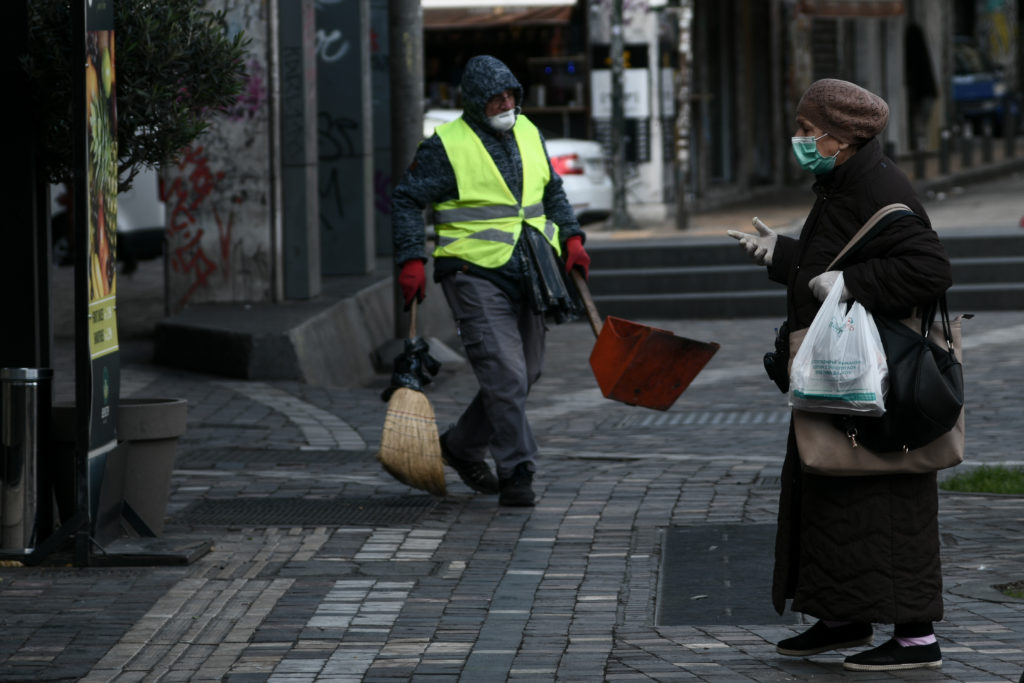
[{"x": 999, "y": 89}]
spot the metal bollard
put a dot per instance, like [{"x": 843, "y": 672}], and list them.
[
  {"x": 966, "y": 152},
  {"x": 1009, "y": 136},
  {"x": 25, "y": 406},
  {"x": 944, "y": 151},
  {"x": 919, "y": 164}
]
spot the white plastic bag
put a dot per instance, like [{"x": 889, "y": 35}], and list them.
[{"x": 840, "y": 366}]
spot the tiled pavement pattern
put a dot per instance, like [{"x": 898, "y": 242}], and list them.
[{"x": 472, "y": 592}]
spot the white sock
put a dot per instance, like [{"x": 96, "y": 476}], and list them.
[{"x": 912, "y": 642}]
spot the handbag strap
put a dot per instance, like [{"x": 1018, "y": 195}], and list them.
[
  {"x": 881, "y": 218},
  {"x": 878, "y": 221}
]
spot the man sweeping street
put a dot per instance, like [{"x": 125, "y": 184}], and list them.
[{"x": 501, "y": 216}]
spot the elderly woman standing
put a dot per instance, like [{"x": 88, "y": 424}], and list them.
[{"x": 855, "y": 551}]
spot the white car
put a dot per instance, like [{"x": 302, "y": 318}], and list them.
[
  {"x": 580, "y": 163},
  {"x": 141, "y": 222}
]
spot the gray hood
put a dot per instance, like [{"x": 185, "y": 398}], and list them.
[{"x": 483, "y": 78}]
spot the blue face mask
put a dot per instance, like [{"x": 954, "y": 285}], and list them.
[{"x": 806, "y": 150}]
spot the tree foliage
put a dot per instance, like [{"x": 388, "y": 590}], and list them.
[{"x": 176, "y": 69}]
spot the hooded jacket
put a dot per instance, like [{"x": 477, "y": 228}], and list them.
[{"x": 430, "y": 179}]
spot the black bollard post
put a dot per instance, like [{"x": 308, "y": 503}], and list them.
[
  {"x": 919, "y": 166},
  {"x": 944, "y": 144},
  {"x": 986, "y": 143},
  {"x": 890, "y": 149},
  {"x": 1009, "y": 135},
  {"x": 966, "y": 150}
]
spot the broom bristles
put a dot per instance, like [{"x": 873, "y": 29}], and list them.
[{"x": 409, "y": 447}]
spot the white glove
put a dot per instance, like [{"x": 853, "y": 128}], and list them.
[
  {"x": 822, "y": 284},
  {"x": 759, "y": 246}
]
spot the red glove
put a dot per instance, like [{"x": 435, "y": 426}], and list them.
[
  {"x": 413, "y": 281},
  {"x": 576, "y": 255}
]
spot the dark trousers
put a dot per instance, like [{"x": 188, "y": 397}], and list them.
[{"x": 504, "y": 342}]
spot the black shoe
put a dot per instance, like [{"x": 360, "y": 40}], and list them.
[
  {"x": 890, "y": 656},
  {"x": 517, "y": 490},
  {"x": 820, "y": 638},
  {"x": 476, "y": 475}
]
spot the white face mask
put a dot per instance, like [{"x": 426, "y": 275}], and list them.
[{"x": 503, "y": 121}]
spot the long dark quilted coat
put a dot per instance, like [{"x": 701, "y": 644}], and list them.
[{"x": 860, "y": 548}]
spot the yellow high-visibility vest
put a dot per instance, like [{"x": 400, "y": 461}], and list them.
[{"x": 483, "y": 224}]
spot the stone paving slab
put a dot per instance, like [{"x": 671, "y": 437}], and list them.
[{"x": 567, "y": 591}]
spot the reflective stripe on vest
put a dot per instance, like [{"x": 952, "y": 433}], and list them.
[{"x": 483, "y": 224}]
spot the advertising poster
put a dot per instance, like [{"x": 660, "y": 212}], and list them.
[{"x": 101, "y": 190}]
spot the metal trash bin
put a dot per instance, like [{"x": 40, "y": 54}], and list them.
[{"x": 25, "y": 406}]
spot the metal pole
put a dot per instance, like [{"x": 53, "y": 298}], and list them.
[
  {"x": 685, "y": 48},
  {"x": 83, "y": 369},
  {"x": 405, "y": 45},
  {"x": 620, "y": 216}
]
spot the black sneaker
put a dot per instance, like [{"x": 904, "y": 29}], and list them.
[
  {"x": 476, "y": 475},
  {"x": 891, "y": 656},
  {"x": 820, "y": 638},
  {"x": 517, "y": 490}
]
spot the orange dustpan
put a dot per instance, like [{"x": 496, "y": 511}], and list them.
[{"x": 638, "y": 364}]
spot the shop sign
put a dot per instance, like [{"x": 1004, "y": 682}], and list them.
[{"x": 636, "y": 99}]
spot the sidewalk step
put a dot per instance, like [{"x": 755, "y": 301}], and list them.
[{"x": 698, "y": 279}]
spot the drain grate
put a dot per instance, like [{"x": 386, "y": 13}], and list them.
[
  {"x": 718, "y": 574},
  {"x": 398, "y": 510}
]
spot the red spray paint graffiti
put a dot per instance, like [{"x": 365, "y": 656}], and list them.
[{"x": 187, "y": 193}]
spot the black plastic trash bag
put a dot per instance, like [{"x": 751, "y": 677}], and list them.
[{"x": 412, "y": 367}]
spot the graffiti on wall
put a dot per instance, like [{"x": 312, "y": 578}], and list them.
[
  {"x": 337, "y": 140},
  {"x": 219, "y": 224},
  {"x": 343, "y": 134},
  {"x": 185, "y": 195},
  {"x": 254, "y": 94},
  {"x": 331, "y": 45}
]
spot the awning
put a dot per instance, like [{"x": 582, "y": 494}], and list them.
[
  {"x": 850, "y": 8},
  {"x": 462, "y": 14}
]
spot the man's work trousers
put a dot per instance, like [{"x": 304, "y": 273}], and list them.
[{"x": 504, "y": 342}]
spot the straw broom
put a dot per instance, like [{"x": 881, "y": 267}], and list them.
[{"x": 410, "y": 450}]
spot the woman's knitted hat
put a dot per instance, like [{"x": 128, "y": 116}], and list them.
[{"x": 844, "y": 110}]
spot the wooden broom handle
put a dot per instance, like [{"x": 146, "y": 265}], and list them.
[
  {"x": 588, "y": 302},
  {"x": 412, "y": 319}
]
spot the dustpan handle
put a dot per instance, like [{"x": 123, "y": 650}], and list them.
[
  {"x": 412, "y": 319},
  {"x": 588, "y": 302}
]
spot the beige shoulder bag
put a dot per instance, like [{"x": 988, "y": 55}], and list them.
[{"x": 825, "y": 449}]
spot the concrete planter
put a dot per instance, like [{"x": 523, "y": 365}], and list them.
[{"x": 152, "y": 427}]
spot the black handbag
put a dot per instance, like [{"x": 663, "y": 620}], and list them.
[
  {"x": 926, "y": 387},
  {"x": 926, "y": 382}
]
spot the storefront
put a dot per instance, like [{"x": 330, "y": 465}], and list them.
[{"x": 544, "y": 43}]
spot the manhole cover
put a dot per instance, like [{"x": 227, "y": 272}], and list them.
[
  {"x": 399, "y": 510},
  {"x": 719, "y": 574}
]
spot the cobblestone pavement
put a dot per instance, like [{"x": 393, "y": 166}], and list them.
[
  {"x": 323, "y": 568},
  {"x": 567, "y": 591}
]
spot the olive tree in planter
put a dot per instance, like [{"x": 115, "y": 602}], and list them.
[{"x": 176, "y": 67}]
